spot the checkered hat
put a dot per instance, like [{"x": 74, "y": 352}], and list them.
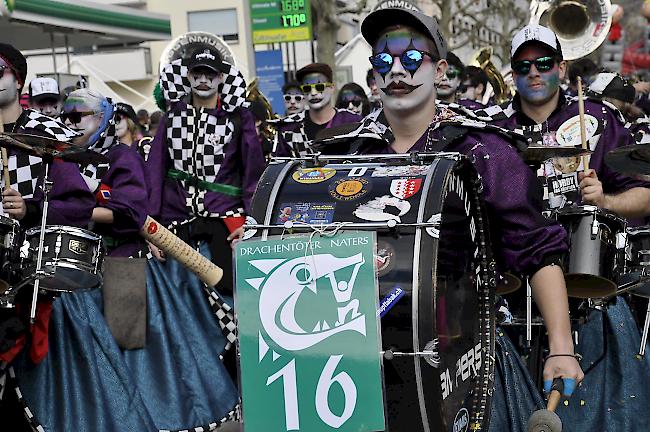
[{"x": 175, "y": 85}]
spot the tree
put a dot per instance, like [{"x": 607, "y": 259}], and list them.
[{"x": 326, "y": 15}]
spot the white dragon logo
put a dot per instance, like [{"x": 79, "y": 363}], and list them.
[{"x": 283, "y": 285}]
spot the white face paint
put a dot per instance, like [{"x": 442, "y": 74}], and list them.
[
  {"x": 48, "y": 107},
  {"x": 204, "y": 82},
  {"x": 8, "y": 87},
  {"x": 292, "y": 104},
  {"x": 122, "y": 128},
  {"x": 317, "y": 100},
  {"x": 448, "y": 86},
  {"x": 403, "y": 92}
]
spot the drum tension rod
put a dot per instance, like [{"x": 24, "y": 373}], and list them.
[{"x": 432, "y": 357}]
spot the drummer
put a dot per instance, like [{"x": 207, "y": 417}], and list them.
[
  {"x": 70, "y": 204},
  {"x": 408, "y": 58},
  {"x": 542, "y": 110}
]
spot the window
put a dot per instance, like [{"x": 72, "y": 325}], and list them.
[{"x": 220, "y": 22}]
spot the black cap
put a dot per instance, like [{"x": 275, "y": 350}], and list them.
[
  {"x": 291, "y": 85},
  {"x": 15, "y": 60},
  {"x": 321, "y": 68},
  {"x": 126, "y": 110},
  {"x": 611, "y": 85},
  {"x": 376, "y": 22},
  {"x": 206, "y": 56}
]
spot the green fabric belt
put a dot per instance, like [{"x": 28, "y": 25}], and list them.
[{"x": 202, "y": 184}]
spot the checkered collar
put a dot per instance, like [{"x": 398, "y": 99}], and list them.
[
  {"x": 175, "y": 85},
  {"x": 290, "y": 119}
]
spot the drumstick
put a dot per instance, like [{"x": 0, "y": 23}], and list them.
[
  {"x": 5, "y": 159},
  {"x": 583, "y": 132},
  {"x": 173, "y": 246}
]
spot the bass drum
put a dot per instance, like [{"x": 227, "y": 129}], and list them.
[{"x": 438, "y": 338}]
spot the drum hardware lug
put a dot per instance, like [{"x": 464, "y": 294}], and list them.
[
  {"x": 493, "y": 282},
  {"x": 430, "y": 354},
  {"x": 594, "y": 228}
]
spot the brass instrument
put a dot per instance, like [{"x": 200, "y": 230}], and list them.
[
  {"x": 580, "y": 25},
  {"x": 498, "y": 87},
  {"x": 267, "y": 130}
]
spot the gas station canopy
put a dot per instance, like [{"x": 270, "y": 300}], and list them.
[{"x": 36, "y": 24}]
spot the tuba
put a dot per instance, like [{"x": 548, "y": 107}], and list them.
[
  {"x": 267, "y": 130},
  {"x": 580, "y": 25},
  {"x": 500, "y": 89}
]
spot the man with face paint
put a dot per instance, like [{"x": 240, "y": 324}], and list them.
[
  {"x": 408, "y": 57},
  {"x": 204, "y": 164},
  {"x": 44, "y": 96},
  {"x": 296, "y": 131},
  {"x": 544, "y": 113},
  {"x": 294, "y": 99},
  {"x": 69, "y": 205},
  {"x": 448, "y": 85}
]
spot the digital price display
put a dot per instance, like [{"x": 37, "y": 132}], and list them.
[{"x": 280, "y": 20}]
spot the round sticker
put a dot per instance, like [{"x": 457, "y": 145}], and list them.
[
  {"x": 568, "y": 134},
  {"x": 313, "y": 175},
  {"x": 346, "y": 189},
  {"x": 385, "y": 258}
]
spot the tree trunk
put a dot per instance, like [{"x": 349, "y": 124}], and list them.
[{"x": 327, "y": 27}]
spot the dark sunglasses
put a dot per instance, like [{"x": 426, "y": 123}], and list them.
[
  {"x": 464, "y": 87},
  {"x": 75, "y": 116},
  {"x": 289, "y": 97},
  {"x": 411, "y": 60},
  {"x": 452, "y": 73},
  {"x": 118, "y": 118},
  {"x": 543, "y": 64},
  {"x": 354, "y": 101},
  {"x": 320, "y": 87}
]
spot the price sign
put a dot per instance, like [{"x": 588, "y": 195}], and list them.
[
  {"x": 280, "y": 20},
  {"x": 308, "y": 334}
]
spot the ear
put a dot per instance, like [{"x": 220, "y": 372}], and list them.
[
  {"x": 480, "y": 89},
  {"x": 441, "y": 69},
  {"x": 563, "y": 69}
]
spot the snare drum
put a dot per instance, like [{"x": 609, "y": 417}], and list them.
[
  {"x": 9, "y": 256},
  {"x": 72, "y": 258},
  {"x": 594, "y": 261},
  {"x": 444, "y": 268}
]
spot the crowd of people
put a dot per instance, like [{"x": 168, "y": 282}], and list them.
[{"x": 165, "y": 359}]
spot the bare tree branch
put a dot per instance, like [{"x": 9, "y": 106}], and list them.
[{"x": 356, "y": 8}]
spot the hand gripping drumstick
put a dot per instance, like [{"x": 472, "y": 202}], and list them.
[
  {"x": 545, "y": 420},
  {"x": 583, "y": 132},
  {"x": 173, "y": 246}
]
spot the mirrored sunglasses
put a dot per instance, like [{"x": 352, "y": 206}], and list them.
[{"x": 411, "y": 59}]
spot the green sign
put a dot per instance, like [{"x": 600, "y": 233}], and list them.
[
  {"x": 280, "y": 21},
  {"x": 308, "y": 334}
]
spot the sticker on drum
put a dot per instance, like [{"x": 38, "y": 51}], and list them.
[
  {"x": 309, "y": 213},
  {"x": 385, "y": 258},
  {"x": 313, "y": 175},
  {"x": 568, "y": 134},
  {"x": 400, "y": 171},
  {"x": 405, "y": 188},
  {"x": 346, "y": 189},
  {"x": 390, "y": 300},
  {"x": 563, "y": 184},
  {"x": 374, "y": 210},
  {"x": 461, "y": 421}
]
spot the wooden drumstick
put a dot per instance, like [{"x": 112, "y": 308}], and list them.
[
  {"x": 173, "y": 246},
  {"x": 546, "y": 420},
  {"x": 583, "y": 131},
  {"x": 5, "y": 158}
]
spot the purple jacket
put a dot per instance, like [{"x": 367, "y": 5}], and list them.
[
  {"x": 242, "y": 166},
  {"x": 292, "y": 139},
  {"x": 129, "y": 200},
  {"x": 523, "y": 240}
]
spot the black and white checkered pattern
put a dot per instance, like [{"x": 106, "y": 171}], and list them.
[
  {"x": 225, "y": 315},
  {"x": 108, "y": 139},
  {"x": 24, "y": 169},
  {"x": 175, "y": 85}
]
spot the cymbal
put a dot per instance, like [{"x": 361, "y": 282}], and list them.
[
  {"x": 544, "y": 153},
  {"x": 43, "y": 146},
  {"x": 632, "y": 159}
]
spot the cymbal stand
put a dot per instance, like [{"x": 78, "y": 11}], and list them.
[{"x": 47, "y": 187}]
